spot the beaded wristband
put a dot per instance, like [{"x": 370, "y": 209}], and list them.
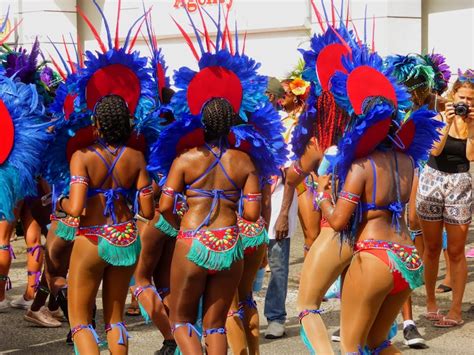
[
  {"x": 297, "y": 169},
  {"x": 146, "y": 191},
  {"x": 322, "y": 196},
  {"x": 253, "y": 197},
  {"x": 168, "y": 191}
]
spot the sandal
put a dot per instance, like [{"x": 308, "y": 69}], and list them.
[
  {"x": 434, "y": 316},
  {"x": 442, "y": 288},
  {"x": 133, "y": 309},
  {"x": 448, "y": 323}
]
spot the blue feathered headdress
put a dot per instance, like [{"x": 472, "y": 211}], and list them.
[
  {"x": 24, "y": 142},
  {"x": 406, "y": 67},
  {"x": 225, "y": 72},
  {"x": 114, "y": 70},
  {"x": 322, "y": 118}
]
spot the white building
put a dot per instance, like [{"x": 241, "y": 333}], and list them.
[{"x": 275, "y": 28}]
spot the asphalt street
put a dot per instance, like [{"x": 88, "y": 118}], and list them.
[{"x": 20, "y": 337}]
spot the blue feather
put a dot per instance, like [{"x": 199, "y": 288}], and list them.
[
  {"x": 30, "y": 141},
  {"x": 133, "y": 61}
]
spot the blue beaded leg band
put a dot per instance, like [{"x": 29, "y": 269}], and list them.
[
  {"x": 122, "y": 329},
  {"x": 211, "y": 331},
  {"x": 191, "y": 328},
  {"x": 306, "y": 312}
]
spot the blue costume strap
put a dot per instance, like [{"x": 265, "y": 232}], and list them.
[
  {"x": 249, "y": 302},
  {"x": 112, "y": 194},
  {"x": 89, "y": 327},
  {"x": 381, "y": 347},
  {"x": 139, "y": 289},
  {"x": 211, "y": 331},
  {"x": 190, "y": 328},
  {"x": 122, "y": 329},
  {"x": 215, "y": 194},
  {"x": 306, "y": 312}
]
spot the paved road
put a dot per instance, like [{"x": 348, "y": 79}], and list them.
[{"x": 19, "y": 337}]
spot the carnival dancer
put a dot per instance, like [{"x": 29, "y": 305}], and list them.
[
  {"x": 444, "y": 198},
  {"x": 319, "y": 128},
  {"x": 424, "y": 81},
  {"x": 217, "y": 110},
  {"x": 25, "y": 129},
  {"x": 152, "y": 275},
  {"x": 375, "y": 147},
  {"x": 115, "y": 88}
]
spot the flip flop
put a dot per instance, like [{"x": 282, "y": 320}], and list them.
[
  {"x": 448, "y": 323},
  {"x": 434, "y": 316},
  {"x": 133, "y": 311},
  {"x": 442, "y": 288}
]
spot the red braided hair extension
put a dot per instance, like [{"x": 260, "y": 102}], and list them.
[{"x": 330, "y": 122}]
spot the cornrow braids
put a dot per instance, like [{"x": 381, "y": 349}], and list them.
[
  {"x": 113, "y": 116},
  {"x": 218, "y": 117},
  {"x": 330, "y": 122}
]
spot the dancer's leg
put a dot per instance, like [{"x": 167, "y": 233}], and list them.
[
  {"x": 188, "y": 282},
  {"x": 6, "y": 230},
  {"x": 367, "y": 284},
  {"x": 34, "y": 254},
  {"x": 327, "y": 259},
  {"x": 153, "y": 242},
  {"x": 243, "y": 334},
  {"x": 114, "y": 294},
  {"x": 85, "y": 275},
  {"x": 220, "y": 289}
]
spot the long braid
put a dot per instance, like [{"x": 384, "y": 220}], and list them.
[{"x": 331, "y": 120}]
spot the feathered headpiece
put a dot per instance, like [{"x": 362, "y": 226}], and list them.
[
  {"x": 24, "y": 141},
  {"x": 377, "y": 103},
  {"x": 442, "y": 72},
  {"x": 322, "y": 117},
  {"x": 224, "y": 72},
  {"x": 115, "y": 69},
  {"x": 467, "y": 76},
  {"x": 406, "y": 67}
]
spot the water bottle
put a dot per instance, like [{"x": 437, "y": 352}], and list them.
[{"x": 328, "y": 158}]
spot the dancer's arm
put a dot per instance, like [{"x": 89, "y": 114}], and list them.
[
  {"x": 252, "y": 197},
  {"x": 174, "y": 184},
  {"x": 339, "y": 215},
  {"x": 75, "y": 203},
  {"x": 145, "y": 195}
]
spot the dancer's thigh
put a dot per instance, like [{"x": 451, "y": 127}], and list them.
[
  {"x": 220, "y": 290},
  {"x": 188, "y": 282},
  {"x": 367, "y": 283},
  {"x": 252, "y": 263},
  {"x": 152, "y": 241},
  {"x": 325, "y": 261},
  {"x": 85, "y": 275}
]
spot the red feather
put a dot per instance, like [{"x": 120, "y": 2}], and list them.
[
  {"x": 69, "y": 60},
  {"x": 373, "y": 33},
  {"x": 79, "y": 50},
  {"x": 333, "y": 14},
  {"x": 318, "y": 16},
  {"x": 245, "y": 42},
  {"x": 58, "y": 68},
  {"x": 188, "y": 40},
  {"x": 134, "y": 39},
  {"x": 117, "y": 25},
  {"x": 347, "y": 14},
  {"x": 93, "y": 29}
]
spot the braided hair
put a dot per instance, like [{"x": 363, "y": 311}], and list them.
[
  {"x": 114, "y": 118},
  {"x": 330, "y": 122},
  {"x": 218, "y": 117}
]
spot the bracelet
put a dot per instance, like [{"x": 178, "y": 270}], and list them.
[
  {"x": 322, "y": 196},
  {"x": 60, "y": 200},
  {"x": 349, "y": 197},
  {"x": 297, "y": 169}
]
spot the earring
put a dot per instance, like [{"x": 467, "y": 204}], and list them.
[{"x": 295, "y": 100}]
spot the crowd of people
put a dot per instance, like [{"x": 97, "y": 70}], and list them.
[{"x": 183, "y": 196}]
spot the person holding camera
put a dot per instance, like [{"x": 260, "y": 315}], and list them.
[{"x": 444, "y": 198}]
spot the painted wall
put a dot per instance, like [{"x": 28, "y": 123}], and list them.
[{"x": 276, "y": 28}]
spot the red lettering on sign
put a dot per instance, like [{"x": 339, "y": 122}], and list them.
[{"x": 192, "y": 5}]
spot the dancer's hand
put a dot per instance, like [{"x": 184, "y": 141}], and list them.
[
  {"x": 281, "y": 227},
  {"x": 449, "y": 113},
  {"x": 324, "y": 183}
]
